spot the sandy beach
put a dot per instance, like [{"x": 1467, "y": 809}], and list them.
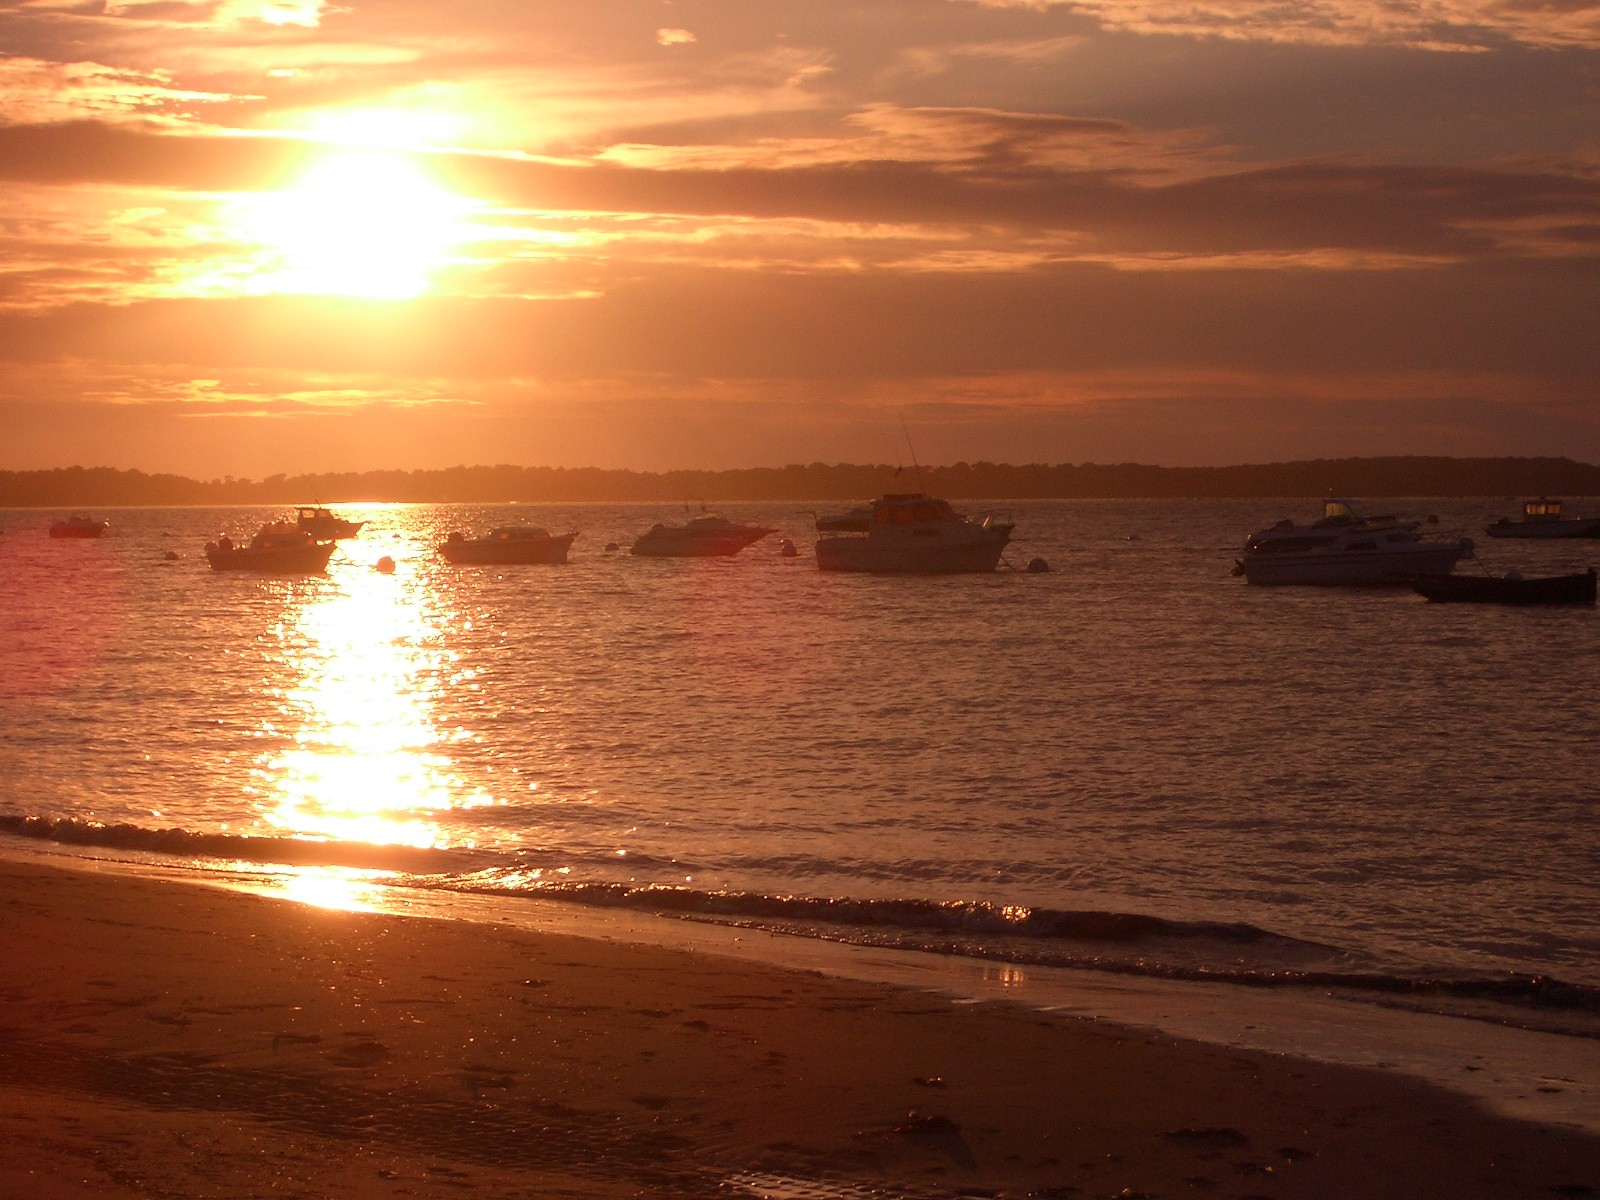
[{"x": 161, "y": 1039}]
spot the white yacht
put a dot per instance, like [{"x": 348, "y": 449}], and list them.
[
  {"x": 911, "y": 533},
  {"x": 1346, "y": 549}
]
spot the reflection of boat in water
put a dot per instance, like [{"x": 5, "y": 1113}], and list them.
[
  {"x": 1542, "y": 518},
  {"x": 911, "y": 533},
  {"x": 509, "y": 544},
  {"x": 1508, "y": 589},
  {"x": 80, "y": 526},
  {"x": 1346, "y": 549},
  {"x": 280, "y": 548},
  {"x": 323, "y": 525},
  {"x": 705, "y": 535}
]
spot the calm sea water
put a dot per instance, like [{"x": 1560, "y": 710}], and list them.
[{"x": 1134, "y": 762}]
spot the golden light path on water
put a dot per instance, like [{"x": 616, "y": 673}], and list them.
[{"x": 359, "y": 753}]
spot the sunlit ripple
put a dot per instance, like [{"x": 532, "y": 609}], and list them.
[
  {"x": 367, "y": 762},
  {"x": 329, "y": 887}
]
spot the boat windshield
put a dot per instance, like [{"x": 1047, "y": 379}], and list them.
[{"x": 1338, "y": 510}]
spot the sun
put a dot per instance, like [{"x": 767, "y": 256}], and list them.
[{"x": 366, "y": 223}]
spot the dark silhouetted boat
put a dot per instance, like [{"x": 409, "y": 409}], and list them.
[
  {"x": 324, "y": 525},
  {"x": 1542, "y": 518},
  {"x": 80, "y": 526},
  {"x": 910, "y": 533},
  {"x": 279, "y": 549},
  {"x": 1507, "y": 589},
  {"x": 706, "y": 535},
  {"x": 507, "y": 545}
]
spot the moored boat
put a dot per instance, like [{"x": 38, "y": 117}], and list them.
[
  {"x": 1347, "y": 549},
  {"x": 705, "y": 535},
  {"x": 1542, "y": 518},
  {"x": 324, "y": 525},
  {"x": 913, "y": 534},
  {"x": 78, "y": 525},
  {"x": 1512, "y": 588},
  {"x": 507, "y": 545},
  {"x": 278, "y": 549}
]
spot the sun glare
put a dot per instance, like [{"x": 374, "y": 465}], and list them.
[{"x": 360, "y": 223}]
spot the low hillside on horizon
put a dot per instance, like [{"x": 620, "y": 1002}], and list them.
[{"x": 66, "y": 487}]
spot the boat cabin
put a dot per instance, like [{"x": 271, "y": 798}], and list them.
[
  {"x": 911, "y": 509},
  {"x": 1542, "y": 510}
]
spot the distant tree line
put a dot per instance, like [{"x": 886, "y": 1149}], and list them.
[{"x": 68, "y": 487}]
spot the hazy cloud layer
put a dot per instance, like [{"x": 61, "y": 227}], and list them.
[{"x": 707, "y": 234}]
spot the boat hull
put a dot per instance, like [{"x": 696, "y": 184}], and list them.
[
  {"x": 512, "y": 552},
  {"x": 720, "y": 545},
  {"x": 1574, "y": 527},
  {"x": 66, "y": 529},
  {"x": 866, "y": 555},
  {"x": 277, "y": 560},
  {"x": 1484, "y": 589},
  {"x": 1386, "y": 568}
]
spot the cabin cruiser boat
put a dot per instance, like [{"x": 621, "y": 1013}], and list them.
[
  {"x": 911, "y": 533},
  {"x": 80, "y": 526},
  {"x": 508, "y": 544},
  {"x": 1347, "y": 549},
  {"x": 280, "y": 548},
  {"x": 1542, "y": 518},
  {"x": 323, "y": 525},
  {"x": 706, "y": 535}
]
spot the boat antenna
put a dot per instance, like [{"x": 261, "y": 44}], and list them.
[{"x": 916, "y": 467}]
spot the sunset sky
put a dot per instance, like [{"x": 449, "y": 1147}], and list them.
[{"x": 257, "y": 236}]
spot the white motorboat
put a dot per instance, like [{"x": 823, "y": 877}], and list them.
[
  {"x": 279, "y": 549},
  {"x": 1347, "y": 549},
  {"x": 912, "y": 533},
  {"x": 1542, "y": 518},
  {"x": 705, "y": 535},
  {"x": 509, "y": 544}
]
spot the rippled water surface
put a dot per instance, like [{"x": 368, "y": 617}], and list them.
[{"x": 1333, "y": 782}]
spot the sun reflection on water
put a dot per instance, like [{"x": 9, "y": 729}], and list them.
[
  {"x": 326, "y": 887},
  {"x": 367, "y": 761}
]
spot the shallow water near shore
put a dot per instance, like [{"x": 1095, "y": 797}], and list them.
[{"x": 1133, "y": 763}]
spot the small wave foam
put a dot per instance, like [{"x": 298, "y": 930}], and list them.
[
  {"x": 184, "y": 843},
  {"x": 1117, "y": 942}
]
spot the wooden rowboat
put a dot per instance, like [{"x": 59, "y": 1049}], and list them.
[{"x": 1507, "y": 589}]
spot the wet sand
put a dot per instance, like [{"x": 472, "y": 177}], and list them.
[{"x": 172, "y": 1040}]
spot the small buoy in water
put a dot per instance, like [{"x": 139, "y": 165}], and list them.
[
  {"x": 1433, "y": 518},
  {"x": 1038, "y": 566},
  {"x": 171, "y": 556},
  {"x": 385, "y": 565},
  {"x": 786, "y": 548},
  {"x": 611, "y": 545}
]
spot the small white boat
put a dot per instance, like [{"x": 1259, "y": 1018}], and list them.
[
  {"x": 1347, "y": 549},
  {"x": 1542, "y": 518},
  {"x": 913, "y": 534},
  {"x": 279, "y": 549},
  {"x": 507, "y": 545},
  {"x": 80, "y": 526},
  {"x": 706, "y": 535},
  {"x": 324, "y": 525}
]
